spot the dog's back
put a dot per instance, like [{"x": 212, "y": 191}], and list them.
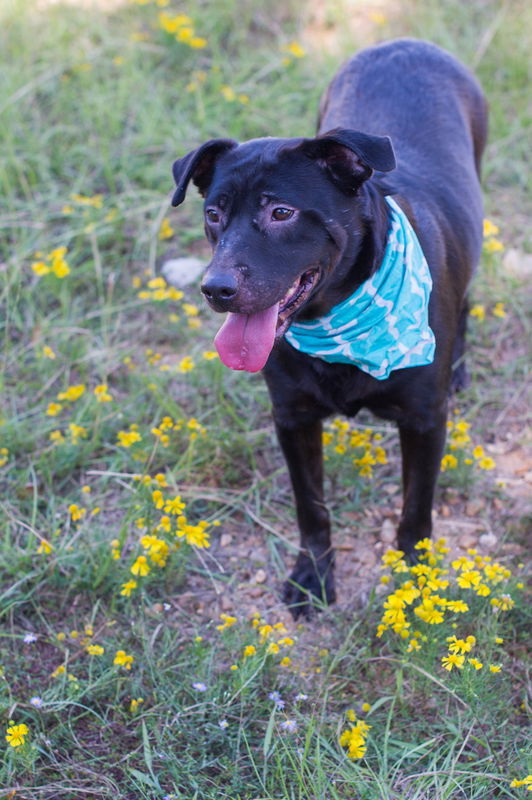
[{"x": 435, "y": 113}]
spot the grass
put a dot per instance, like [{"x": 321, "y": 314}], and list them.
[{"x": 96, "y": 105}]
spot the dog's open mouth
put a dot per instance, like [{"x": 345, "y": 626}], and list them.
[{"x": 246, "y": 340}]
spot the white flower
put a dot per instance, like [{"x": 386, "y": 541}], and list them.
[
  {"x": 199, "y": 686},
  {"x": 289, "y": 725},
  {"x": 276, "y": 697},
  {"x": 29, "y": 638},
  {"x": 37, "y": 701},
  {"x": 223, "y": 724},
  {"x": 300, "y": 696}
]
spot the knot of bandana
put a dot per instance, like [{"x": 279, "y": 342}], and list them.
[{"x": 384, "y": 324}]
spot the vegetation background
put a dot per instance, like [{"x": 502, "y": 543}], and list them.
[{"x": 118, "y": 676}]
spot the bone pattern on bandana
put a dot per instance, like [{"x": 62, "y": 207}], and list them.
[{"x": 384, "y": 324}]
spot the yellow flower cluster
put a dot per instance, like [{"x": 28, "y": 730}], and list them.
[
  {"x": 73, "y": 393},
  {"x": 54, "y": 263},
  {"x": 163, "y": 431},
  {"x": 422, "y": 596},
  {"x": 341, "y": 437},
  {"x": 461, "y": 449},
  {"x": 230, "y": 96},
  {"x": 4, "y": 455},
  {"x": 293, "y": 50},
  {"x": 158, "y": 290},
  {"x": 182, "y": 28},
  {"x": 354, "y": 737},
  {"x": 164, "y": 535},
  {"x": 491, "y": 243},
  {"x": 129, "y": 437},
  {"x": 122, "y": 659},
  {"x": 516, "y": 783},
  {"x": 271, "y": 639},
  {"x": 478, "y": 311}
]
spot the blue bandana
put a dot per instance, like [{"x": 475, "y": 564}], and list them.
[{"x": 384, "y": 324}]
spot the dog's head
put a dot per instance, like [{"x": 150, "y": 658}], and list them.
[{"x": 280, "y": 214}]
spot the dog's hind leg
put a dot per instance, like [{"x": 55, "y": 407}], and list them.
[
  {"x": 422, "y": 453},
  {"x": 312, "y": 576},
  {"x": 460, "y": 375}
]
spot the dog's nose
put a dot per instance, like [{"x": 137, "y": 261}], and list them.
[{"x": 219, "y": 289}]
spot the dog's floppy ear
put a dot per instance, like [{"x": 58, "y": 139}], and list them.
[
  {"x": 198, "y": 166},
  {"x": 351, "y": 156}
]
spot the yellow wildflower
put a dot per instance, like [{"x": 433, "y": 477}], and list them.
[
  {"x": 490, "y": 228},
  {"x": 77, "y": 432},
  {"x": 141, "y": 567},
  {"x": 448, "y": 462},
  {"x": 493, "y": 246},
  {"x": 227, "y": 622},
  {"x": 48, "y": 352},
  {"x": 478, "y": 311},
  {"x": 128, "y": 587},
  {"x": 73, "y": 393},
  {"x": 166, "y": 231},
  {"x": 40, "y": 268},
  {"x": 76, "y": 513},
  {"x": 122, "y": 659},
  {"x": 127, "y": 438},
  {"x": 228, "y": 93},
  {"x": 295, "y": 49},
  {"x": 15, "y": 735},
  {"x": 134, "y": 704},
  {"x": 95, "y": 649},
  {"x": 102, "y": 394},
  {"x": 54, "y": 409},
  {"x": 186, "y": 364},
  {"x": 452, "y": 660}
]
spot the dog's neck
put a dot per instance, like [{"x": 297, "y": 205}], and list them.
[{"x": 361, "y": 244}]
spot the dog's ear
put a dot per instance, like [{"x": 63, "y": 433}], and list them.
[
  {"x": 350, "y": 157},
  {"x": 198, "y": 166}
]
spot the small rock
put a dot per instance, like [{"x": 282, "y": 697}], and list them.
[
  {"x": 225, "y": 603},
  {"x": 497, "y": 504},
  {"x": 256, "y": 591},
  {"x": 225, "y": 539},
  {"x": 445, "y": 511},
  {"x": 488, "y": 540},
  {"x": 182, "y": 271},
  {"x": 387, "y": 533},
  {"x": 260, "y": 576},
  {"x": 391, "y": 488},
  {"x": 474, "y": 507},
  {"x": 467, "y": 540},
  {"x": 517, "y": 262}
]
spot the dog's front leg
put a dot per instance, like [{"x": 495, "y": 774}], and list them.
[
  {"x": 312, "y": 575},
  {"x": 422, "y": 453}
]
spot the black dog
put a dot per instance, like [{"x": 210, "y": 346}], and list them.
[{"x": 298, "y": 225}]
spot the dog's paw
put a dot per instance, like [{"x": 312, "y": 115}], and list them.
[{"x": 310, "y": 586}]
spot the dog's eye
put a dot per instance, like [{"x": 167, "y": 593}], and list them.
[
  {"x": 281, "y": 213},
  {"x": 212, "y": 215}
]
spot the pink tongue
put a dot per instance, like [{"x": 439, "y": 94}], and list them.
[{"x": 245, "y": 340}]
